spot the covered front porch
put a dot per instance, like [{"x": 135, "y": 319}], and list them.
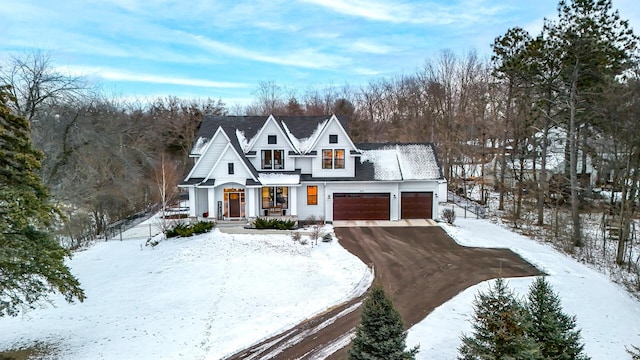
[{"x": 233, "y": 201}]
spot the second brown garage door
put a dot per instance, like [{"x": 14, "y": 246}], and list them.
[
  {"x": 360, "y": 206},
  {"x": 416, "y": 205}
]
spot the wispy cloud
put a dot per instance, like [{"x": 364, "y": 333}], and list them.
[
  {"x": 370, "y": 47},
  {"x": 418, "y": 13},
  {"x": 119, "y": 75},
  {"x": 392, "y": 12},
  {"x": 307, "y": 58},
  {"x": 289, "y": 28}
]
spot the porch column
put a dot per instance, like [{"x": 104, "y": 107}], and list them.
[
  {"x": 211, "y": 206},
  {"x": 293, "y": 200},
  {"x": 250, "y": 202},
  {"x": 192, "y": 201}
]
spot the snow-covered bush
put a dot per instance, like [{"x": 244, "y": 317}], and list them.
[{"x": 449, "y": 215}]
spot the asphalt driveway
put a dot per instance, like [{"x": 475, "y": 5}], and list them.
[{"x": 420, "y": 267}]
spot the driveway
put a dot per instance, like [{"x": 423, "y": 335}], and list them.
[{"x": 420, "y": 267}]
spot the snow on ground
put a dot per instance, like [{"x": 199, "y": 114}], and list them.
[
  {"x": 201, "y": 297},
  {"x": 207, "y": 296},
  {"x": 606, "y": 313}
]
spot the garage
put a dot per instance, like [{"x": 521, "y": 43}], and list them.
[
  {"x": 416, "y": 205},
  {"x": 361, "y": 206}
]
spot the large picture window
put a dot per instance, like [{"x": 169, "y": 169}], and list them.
[
  {"x": 312, "y": 195},
  {"x": 333, "y": 159},
  {"x": 275, "y": 196},
  {"x": 272, "y": 159}
]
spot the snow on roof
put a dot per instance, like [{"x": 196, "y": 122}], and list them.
[
  {"x": 304, "y": 145},
  {"x": 244, "y": 143},
  {"x": 385, "y": 163},
  {"x": 198, "y": 148},
  {"x": 403, "y": 162},
  {"x": 268, "y": 179},
  {"x": 418, "y": 162}
]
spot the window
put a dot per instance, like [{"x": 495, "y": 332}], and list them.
[
  {"x": 333, "y": 139},
  {"x": 230, "y": 167},
  {"x": 272, "y": 139},
  {"x": 333, "y": 159},
  {"x": 312, "y": 195},
  {"x": 327, "y": 159},
  {"x": 338, "y": 159},
  {"x": 272, "y": 159},
  {"x": 275, "y": 197}
]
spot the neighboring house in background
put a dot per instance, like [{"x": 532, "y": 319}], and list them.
[{"x": 307, "y": 166}]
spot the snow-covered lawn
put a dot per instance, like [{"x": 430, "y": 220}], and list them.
[
  {"x": 207, "y": 296},
  {"x": 608, "y": 316},
  {"x": 192, "y": 298}
]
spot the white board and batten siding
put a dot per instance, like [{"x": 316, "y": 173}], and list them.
[
  {"x": 208, "y": 159},
  {"x": 261, "y": 142},
  {"x": 333, "y": 128},
  {"x": 304, "y": 164},
  {"x": 305, "y": 211}
]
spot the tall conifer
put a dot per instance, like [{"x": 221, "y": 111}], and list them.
[
  {"x": 500, "y": 328},
  {"x": 551, "y": 328},
  {"x": 31, "y": 261},
  {"x": 380, "y": 334}
]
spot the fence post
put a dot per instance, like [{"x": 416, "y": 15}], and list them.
[{"x": 120, "y": 228}]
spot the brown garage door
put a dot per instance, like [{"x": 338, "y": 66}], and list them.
[
  {"x": 359, "y": 206},
  {"x": 416, "y": 205}
]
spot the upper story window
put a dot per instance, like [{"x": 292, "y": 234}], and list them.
[
  {"x": 230, "y": 168},
  {"x": 272, "y": 139},
  {"x": 272, "y": 159},
  {"x": 333, "y": 139},
  {"x": 333, "y": 159}
]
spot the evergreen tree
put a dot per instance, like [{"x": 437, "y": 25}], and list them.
[
  {"x": 552, "y": 329},
  {"x": 31, "y": 261},
  {"x": 500, "y": 328},
  {"x": 380, "y": 334}
]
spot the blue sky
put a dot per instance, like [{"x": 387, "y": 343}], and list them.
[{"x": 224, "y": 48}]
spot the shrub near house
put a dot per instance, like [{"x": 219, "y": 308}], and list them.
[{"x": 184, "y": 230}]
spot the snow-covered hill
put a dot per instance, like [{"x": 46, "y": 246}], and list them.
[{"x": 207, "y": 296}]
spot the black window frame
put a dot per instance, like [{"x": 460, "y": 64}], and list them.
[
  {"x": 272, "y": 139},
  {"x": 230, "y": 168},
  {"x": 333, "y": 139}
]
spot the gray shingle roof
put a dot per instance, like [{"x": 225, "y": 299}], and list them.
[{"x": 300, "y": 126}]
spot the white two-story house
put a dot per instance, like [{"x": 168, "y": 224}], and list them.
[{"x": 307, "y": 166}]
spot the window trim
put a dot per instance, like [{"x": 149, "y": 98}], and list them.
[
  {"x": 312, "y": 198},
  {"x": 272, "y": 139},
  {"x": 333, "y": 139},
  {"x": 272, "y": 155},
  {"x": 330, "y": 159},
  {"x": 269, "y": 195},
  {"x": 327, "y": 158},
  {"x": 337, "y": 160}
]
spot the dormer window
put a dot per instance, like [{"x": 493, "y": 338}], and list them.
[
  {"x": 333, "y": 139},
  {"x": 272, "y": 139},
  {"x": 272, "y": 159},
  {"x": 333, "y": 159}
]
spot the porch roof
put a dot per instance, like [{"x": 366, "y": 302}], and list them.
[
  {"x": 272, "y": 179},
  {"x": 192, "y": 181}
]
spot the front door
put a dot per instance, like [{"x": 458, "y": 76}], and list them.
[{"x": 234, "y": 205}]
